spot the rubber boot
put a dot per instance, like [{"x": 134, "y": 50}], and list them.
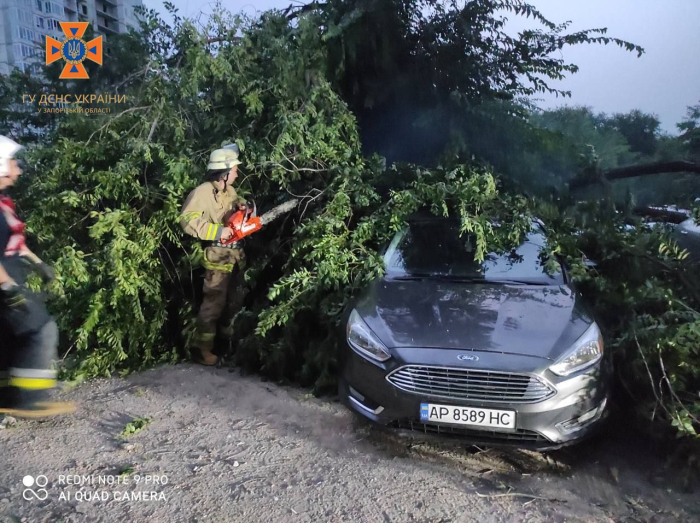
[
  {"x": 204, "y": 357},
  {"x": 32, "y": 404}
]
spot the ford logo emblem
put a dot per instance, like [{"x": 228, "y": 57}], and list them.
[{"x": 467, "y": 357}]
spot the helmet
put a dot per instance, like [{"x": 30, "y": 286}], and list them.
[
  {"x": 224, "y": 158},
  {"x": 8, "y": 149}
]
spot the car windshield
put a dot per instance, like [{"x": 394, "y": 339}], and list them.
[{"x": 435, "y": 249}]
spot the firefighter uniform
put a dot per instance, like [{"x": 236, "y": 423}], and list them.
[{"x": 204, "y": 215}]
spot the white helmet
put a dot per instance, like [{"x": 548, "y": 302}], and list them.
[
  {"x": 224, "y": 158},
  {"x": 8, "y": 149}
]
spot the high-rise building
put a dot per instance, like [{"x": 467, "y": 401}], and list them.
[{"x": 25, "y": 23}]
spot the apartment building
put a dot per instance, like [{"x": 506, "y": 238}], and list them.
[{"x": 25, "y": 23}]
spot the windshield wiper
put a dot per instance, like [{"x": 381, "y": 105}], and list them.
[
  {"x": 414, "y": 276},
  {"x": 517, "y": 282},
  {"x": 463, "y": 279}
]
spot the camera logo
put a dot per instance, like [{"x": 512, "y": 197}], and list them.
[{"x": 30, "y": 481}]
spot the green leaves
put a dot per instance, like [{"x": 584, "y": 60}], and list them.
[{"x": 134, "y": 427}]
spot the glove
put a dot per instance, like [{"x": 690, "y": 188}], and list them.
[
  {"x": 45, "y": 271},
  {"x": 23, "y": 311},
  {"x": 14, "y": 297}
]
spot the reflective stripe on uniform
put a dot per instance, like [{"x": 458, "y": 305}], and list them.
[
  {"x": 211, "y": 231},
  {"x": 223, "y": 267},
  {"x": 32, "y": 379},
  {"x": 205, "y": 336},
  {"x": 32, "y": 383},
  {"x": 33, "y": 373}
]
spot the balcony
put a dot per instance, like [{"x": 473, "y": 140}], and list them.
[
  {"x": 107, "y": 15},
  {"x": 104, "y": 29}
]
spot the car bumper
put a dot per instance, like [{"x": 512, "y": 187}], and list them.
[{"x": 550, "y": 423}]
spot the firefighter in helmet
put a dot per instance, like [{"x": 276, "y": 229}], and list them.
[
  {"x": 204, "y": 216},
  {"x": 29, "y": 339}
]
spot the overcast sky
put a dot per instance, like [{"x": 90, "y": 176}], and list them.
[{"x": 664, "y": 81}]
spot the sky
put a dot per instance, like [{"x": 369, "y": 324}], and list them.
[{"x": 664, "y": 81}]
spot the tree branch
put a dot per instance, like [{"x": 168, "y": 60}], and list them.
[
  {"x": 302, "y": 9},
  {"x": 224, "y": 39}
]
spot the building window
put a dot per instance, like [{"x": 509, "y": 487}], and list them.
[
  {"x": 40, "y": 22},
  {"x": 84, "y": 9},
  {"x": 25, "y": 34},
  {"x": 23, "y": 51},
  {"x": 22, "y": 16},
  {"x": 39, "y": 6}
]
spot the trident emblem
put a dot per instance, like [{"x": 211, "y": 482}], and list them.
[{"x": 74, "y": 50}]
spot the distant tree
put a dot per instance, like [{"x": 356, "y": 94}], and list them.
[
  {"x": 582, "y": 128},
  {"x": 690, "y": 132},
  {"x": 640, "y": 129}
]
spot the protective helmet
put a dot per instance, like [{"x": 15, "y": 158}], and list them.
[
  {"x": 8, "y": 149},
  {"x": 224, "y": 158}
]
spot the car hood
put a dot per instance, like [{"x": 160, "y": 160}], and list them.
[{"x": 540, "y": 321}]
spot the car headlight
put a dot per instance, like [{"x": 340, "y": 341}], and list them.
[
  {"x": 363, "y": 340},
  {"x": 587, "y": 350}
]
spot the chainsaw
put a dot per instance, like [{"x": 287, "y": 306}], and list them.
[{"x": 245, "y": 222}]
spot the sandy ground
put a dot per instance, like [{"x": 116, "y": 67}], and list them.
[{"x": 233, "y": 448}]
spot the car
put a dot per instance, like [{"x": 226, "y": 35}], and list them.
[
  {"x": 502, "y": 352},
  {"x": 687, "y": 234}
]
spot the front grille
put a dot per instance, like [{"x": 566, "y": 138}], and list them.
[
  {"x": 488, "y": 436},
  {"x": 471, "y": 384}
]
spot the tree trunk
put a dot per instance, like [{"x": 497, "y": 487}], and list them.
[
  {"x": 652, "y": 168},
  {"x": 634, "y": 171}
]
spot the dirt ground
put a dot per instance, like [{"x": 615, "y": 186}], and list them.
[{"x": 222, "y": 447}]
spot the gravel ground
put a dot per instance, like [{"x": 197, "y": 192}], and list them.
[{"x": 222, "y": 447}]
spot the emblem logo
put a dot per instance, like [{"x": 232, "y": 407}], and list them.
[
  {"x": 467, "y": 357},
  {"x": 74, "y": 50}
]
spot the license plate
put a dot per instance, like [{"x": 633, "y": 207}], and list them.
[{"x": 491, "y": 418}]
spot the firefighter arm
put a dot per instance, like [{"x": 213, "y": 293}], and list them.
[
  {"x": 25, "y": 251},
  {"x": 194, "y": 222}
]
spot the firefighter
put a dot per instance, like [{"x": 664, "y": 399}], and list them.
[
  {"x": 29, "y": 340},
  {"x": 204, "y": 215}
]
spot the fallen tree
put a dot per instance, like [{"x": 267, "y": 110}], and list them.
[{"x": 635, "y": 171}]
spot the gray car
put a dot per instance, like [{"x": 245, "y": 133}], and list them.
[{"x": 499, "y": 352}]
